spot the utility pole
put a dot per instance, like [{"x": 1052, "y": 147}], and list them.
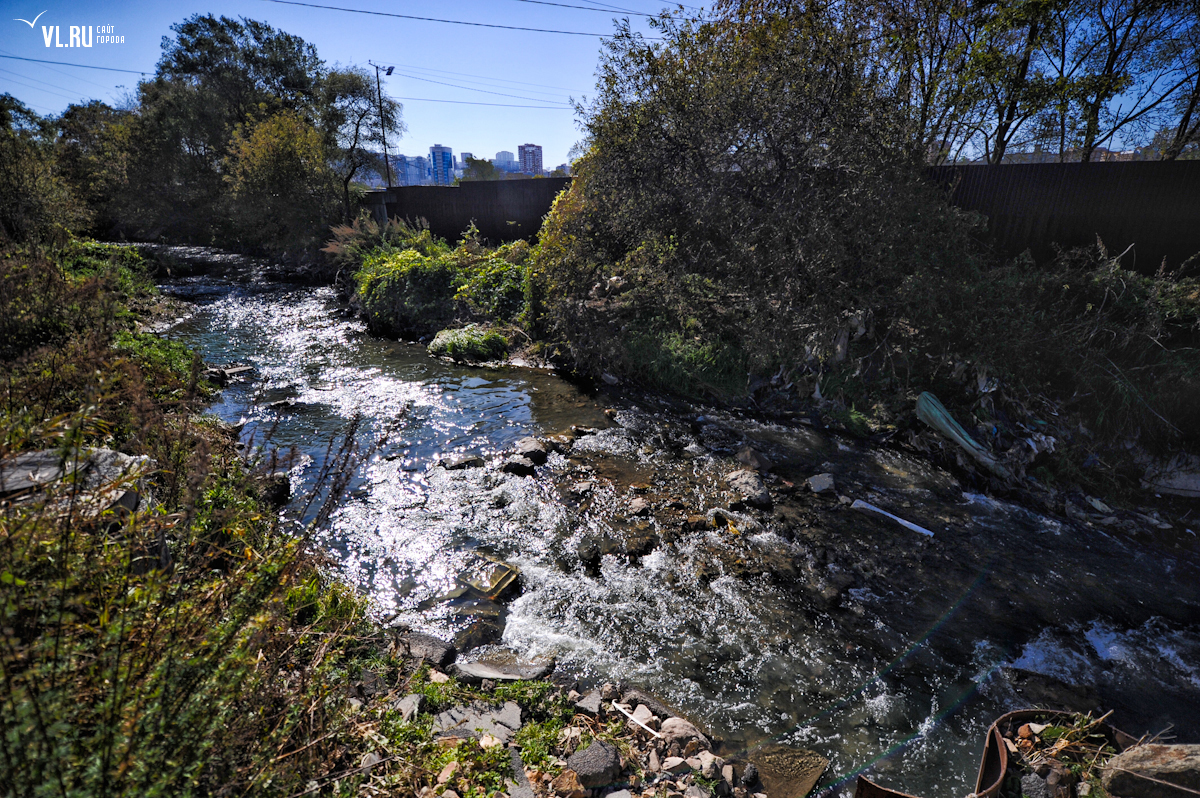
[{"x": 387, "y": 162}]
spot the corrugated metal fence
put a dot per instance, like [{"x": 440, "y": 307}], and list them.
[
  {"x": 503, "y": 210},
  {"x": 1153, "y": 205}
]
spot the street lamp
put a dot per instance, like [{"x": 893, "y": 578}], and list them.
[{"x": 387, "y": 163}]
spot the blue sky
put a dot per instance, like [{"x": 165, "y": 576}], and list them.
[{"x": 519, "y": 68}]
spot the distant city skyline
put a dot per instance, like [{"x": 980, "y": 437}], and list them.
[{"x": 496, "y": 87}]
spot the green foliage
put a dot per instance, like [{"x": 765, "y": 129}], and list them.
[
  {"x": 406, "y": 293},
  {"x": 189, "y": 648},
  {"x": 123, "y": 266},
  {"x": 282, "y": 187},
  {"x": 411, "y": 284},
  {"x": 469, "y": 343},
  {"x": 36, "y": 202}
]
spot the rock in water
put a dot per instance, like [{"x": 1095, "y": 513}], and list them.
[
  {"x": 457, "y": 462},
  {"x": 420, "y": 646},
  {"x": 1174, "y": 764},
  {"x": 533, "y": 449},
  {"x": 788, "y": 772},
  {"x": 596, "y": 765},
  {"x": 820, "y": 483},
  {"x": 521, "y": 466},
  {"x": 749, "y": 485},
  {"x": 677, "y": 731}
]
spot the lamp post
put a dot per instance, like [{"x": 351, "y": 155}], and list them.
[{"x": 387, "y": 163}]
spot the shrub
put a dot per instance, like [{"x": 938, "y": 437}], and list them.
[{"x": 469, "y": 343}]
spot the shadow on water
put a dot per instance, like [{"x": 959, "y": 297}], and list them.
[{"x": 825, "y": 627}]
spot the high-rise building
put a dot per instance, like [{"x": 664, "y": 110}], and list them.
[
  {"x": 410, "y": 170},
  {"x": 504, "y": 157},
  {"x": 531, "y": 158},
  {"x": 441, "y": 163},
  {"x": 462, "y": 159}
]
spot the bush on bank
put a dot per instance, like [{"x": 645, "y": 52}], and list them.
[
  {"x": 410, "y": 284},
  {"x": 746, "y": 225},
  {"x": 190, "y": 648}
]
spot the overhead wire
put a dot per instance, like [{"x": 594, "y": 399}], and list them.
[
  {"x": 35, "y": 80},
  {"x": 85, "y": 66},
  {"x": 66, "y": 74},
  {"x": 47, "y": 91},
  {"x": 481, "y": 78},
  {"x": 435, "y": 19},
  {"x": 494, "y": 105},
  {"x": 482, "y": 91},
  {"x": 585, "y": 8}
]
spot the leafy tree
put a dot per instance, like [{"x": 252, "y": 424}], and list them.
[
  {"x": 350, "y": 117},
  {"x": 93, "y": 153},
  {"x": 481, "y": 169},
  {"x": 36, "y": 203},
  {"x": 282, "y": 186},
  {"x": 750, "y": 180},
  {"x": 216, "y": 76}
]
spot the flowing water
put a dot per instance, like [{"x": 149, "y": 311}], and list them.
[{"x": 898, "y": 671}]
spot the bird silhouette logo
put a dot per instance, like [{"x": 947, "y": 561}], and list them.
[{"x": 27, "y": 22}]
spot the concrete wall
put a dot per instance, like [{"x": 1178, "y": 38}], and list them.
[
  {"x": 1153, "y": 205},
  {"x": 503, "y": 210}
]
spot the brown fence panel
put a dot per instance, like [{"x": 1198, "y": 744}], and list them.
[
  {"x": 503, "y": 210},
  {"x": 1152, "y": 205}
]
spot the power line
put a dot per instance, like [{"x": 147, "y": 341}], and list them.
[
  {"x": 47, "y": 91},
  {"x": 433, "y": 19},
  {"x": 494, "y": 105},
  {"x": 483, "y": 91},
  {"x": 35, "y": 80},
  {"x": 584, "y": 8},
  {"x": 69, "y": 75},
  {"x": 483, "y": 78},
  {"x": 68, "y": 63}
]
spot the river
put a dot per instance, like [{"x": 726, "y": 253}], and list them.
[{"x": 880, "y": 648}]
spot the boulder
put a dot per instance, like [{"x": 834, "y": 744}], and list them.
[
  {"x": 1129, "y": 774},
  {"x": 476, "y": 672},
  {"x": 533, "y": 449},
  {"x": 639, "y": 506},
  {"x": 635, "y": 697},
  {"x": 788, "y": 772},
  {"x": 427, "y": 648},
  {"x": 676, "y": 765},
  {"x": 590, "y": 704},
  {"x": 479, "y": 720},
  {"x": 820, "y": 483},
  {"x": 520, "y": 466},
  {"x": 1179, "y": 476},
  {"x": 597, "y": 765},
  {"x": 457, "y": 462},
  {"x": 410, "y": 706},
  {"x": 677, "y": 731},
  {"x": 750, "y": 487},
  {"x": 567, "y": 785}
]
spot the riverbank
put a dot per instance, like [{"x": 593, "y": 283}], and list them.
[{"x": 918, "y": 641}]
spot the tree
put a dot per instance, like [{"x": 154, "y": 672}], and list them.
[
  {"x": 93, "y": 153},
  {"x": 350, "y": 108},
  {"x": 481, "y": 169},
  {"x": 1183, "y": 53},
  {"x": 217, "y": 75},
  {"x": 751, "y": 179},
  {"x": 282, "y": 186},
  {"x": 36, "y": 203}
]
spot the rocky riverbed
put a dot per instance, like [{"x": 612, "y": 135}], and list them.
[{"x": 726, "y": 565}]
